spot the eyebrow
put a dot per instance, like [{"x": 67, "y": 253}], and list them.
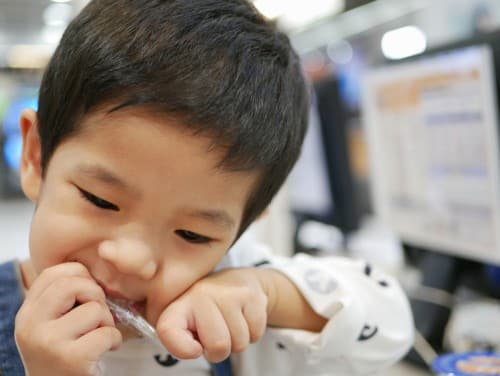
[
  {"x": 105, "y": 176},
  {"x": 218, "y": 217}
]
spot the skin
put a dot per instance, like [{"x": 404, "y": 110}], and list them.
[{"x": 133, "y": 206}]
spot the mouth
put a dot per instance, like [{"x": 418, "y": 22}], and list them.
[{"x": 136, "y": 306}]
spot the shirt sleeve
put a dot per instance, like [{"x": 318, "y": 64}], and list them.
[{"x": 370, "y": 325}]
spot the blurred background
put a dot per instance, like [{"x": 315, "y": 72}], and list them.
[{"x": 401, "y": 161}]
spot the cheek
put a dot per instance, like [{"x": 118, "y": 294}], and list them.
[{"x": 55, "y": 237}]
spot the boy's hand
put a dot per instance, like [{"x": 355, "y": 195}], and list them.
[
  {"x": 220, "y": 314},
  {"x": 54, "y": 336}
]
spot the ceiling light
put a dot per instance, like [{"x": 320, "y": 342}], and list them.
[
  {"x": 29, "y": 56},
  {"x": 403, "y": 42},
  {"x": 298, "y": 13},
  {"x": 52, "y": 34},
  {"x": 57, "y": 14},
  {"x": 271, "y": 9}
]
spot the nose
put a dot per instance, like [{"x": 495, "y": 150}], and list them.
[{"x": 130, "y": 256}]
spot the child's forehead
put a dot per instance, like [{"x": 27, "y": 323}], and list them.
[
  {"x": 110, "y": 118},
  {"x": 125, "y": 118},
  {"x": 142, "y": 133},
  {"x": 150, "y": 113}
]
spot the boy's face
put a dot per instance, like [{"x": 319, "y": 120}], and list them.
[{"x": 135, "y": 198}]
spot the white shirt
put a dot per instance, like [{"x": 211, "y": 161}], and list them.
[{"x": 370, "y": 324}]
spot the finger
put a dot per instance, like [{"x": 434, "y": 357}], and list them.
[
  {"x": 49, "y": 275},
  {"x": 85, "y": 318},
  {"x": 98, "y": 341},
  {"x": 175, "y": 329},
  {"x": 62, "y": 295},
  {"x": 212, "y": 331},
  {"x": 256, "y": 317},
  {"x": 238, "y": 328}
]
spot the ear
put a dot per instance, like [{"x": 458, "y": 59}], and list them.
[{"x": 31, "y": 170}]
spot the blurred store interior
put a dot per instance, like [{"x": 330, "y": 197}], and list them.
[{"x": 401, "y": 161}]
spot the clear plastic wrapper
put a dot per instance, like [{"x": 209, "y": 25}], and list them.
[{"x": 127, "y": 316}]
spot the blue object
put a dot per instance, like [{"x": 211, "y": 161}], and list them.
[
  {"x": 223, "y": 368},
  {"x": 13, "y": 111},
  {"x": 493, "y": 273},
  {"x": 10, "y": 127},
  {"x": 474, "y": 363},
  {"x": 12, "y": 150}
]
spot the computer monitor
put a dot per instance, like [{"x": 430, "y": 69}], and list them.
[
  {"x": 432, "y": 129},
  {"x": 18, "y": 90},
  {"x": 321, "y": 184}
]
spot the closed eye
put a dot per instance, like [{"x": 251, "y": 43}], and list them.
[
  {"x": 192, "y": 237},
  {"x": 97, "y": 201}
]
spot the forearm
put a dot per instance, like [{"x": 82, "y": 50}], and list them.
[{"x": 287, "y": 307}]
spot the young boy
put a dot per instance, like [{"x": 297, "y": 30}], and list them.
[{"x": 164, "y": 129}]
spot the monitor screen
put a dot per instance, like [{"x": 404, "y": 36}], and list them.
[
  {"x": 321, "y": 183},
  {"x": 432, "y": 133}
]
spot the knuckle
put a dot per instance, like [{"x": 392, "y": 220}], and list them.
[
  {"x": 94, "y": 308},
  {"x": 254, "y": 337},
  {"x": 116, "y": 335},
  {"x": 106, "y": 312},
  {"x": 94, "y": 286},
  {"x": 79, "y": 269},
  {"x": 219, "y": 349},
  {"x": 239, "y": 347},
  {"x": 48, "y": 271},
  {"x": 44, "y": 273},
  {"x": 26, "y": 328},
  {"x": 165, "y": 324},
  {"x": 21, "y": 336},
  {"x": 262, "y": 298},
  {"x": 162, "y": 327},
  {"x": 99, "y": 289},
  {"x": 110, "y": 336},
  {"x": 163, "y": 330},
  {"x": 63, "y": 283},
  {"x": 249, "y": 292},
  {"x": 257, "y": 331},
  {"x": 201, "y": 287},
  {"x": 20, "y": 320},
  {"x": 251, "y": 295}
]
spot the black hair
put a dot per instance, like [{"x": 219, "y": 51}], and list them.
[{"x": 217, "y": 65}]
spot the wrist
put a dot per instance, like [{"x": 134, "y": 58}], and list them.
[
  {"x": 267, "y": 280},
  {"x": 286, "y": 306}
]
